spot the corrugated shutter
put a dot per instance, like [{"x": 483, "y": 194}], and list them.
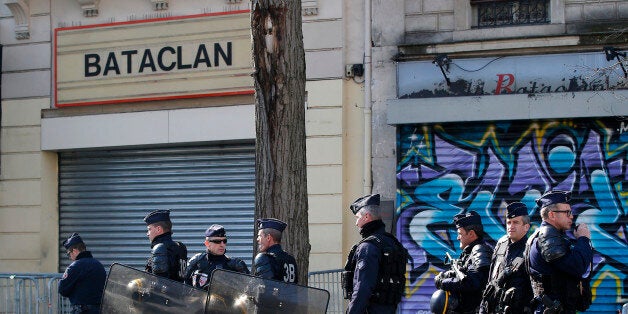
[
  {"x": 104, "y": 195},
  {"x": 447, "y": 168}
]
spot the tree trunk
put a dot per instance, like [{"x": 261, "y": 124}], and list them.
[{"x": 280, "y": 167}]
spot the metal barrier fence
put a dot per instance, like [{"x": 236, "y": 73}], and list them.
[
  {"x": 37, "y": 293},
  {"x": 31, "y": 293},
  {"x": 330, "y": 281}
]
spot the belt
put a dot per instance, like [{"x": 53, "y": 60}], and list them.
[{"x": 84, "y": 308}]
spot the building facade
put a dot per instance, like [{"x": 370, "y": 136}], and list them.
[
  {"x": 481, "y": 103},
  {"x": 111, "y": 109}
]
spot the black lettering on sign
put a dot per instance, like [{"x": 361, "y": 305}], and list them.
[
  {"x": 112, "y": 64},
  {"x": 160, "y": 59},
  {"x": 92, "y": 66},
  {"x": 164, "y": 59}
]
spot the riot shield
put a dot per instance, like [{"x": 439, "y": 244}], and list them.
[
  {"x": 129, "y": 290},
  {"x": 231, "y": 292}
]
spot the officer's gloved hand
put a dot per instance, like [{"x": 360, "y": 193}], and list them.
[{"x": 438, "y": 281}]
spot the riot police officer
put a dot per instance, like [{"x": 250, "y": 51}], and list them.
[
  {"x": 201, "y": 265},
  {"x": 508, "y": 290},
  {"x": 168, "y": 258},
  {"x": 469, "y": 281},
  {"x": 84, "y": 280},
  {"x": 272, "y": 262},
  {"x": 558, "y": 269},
  {"x": 374, "y": 276}
]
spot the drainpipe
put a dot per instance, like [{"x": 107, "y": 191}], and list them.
[{"x": 368, "y": 184}]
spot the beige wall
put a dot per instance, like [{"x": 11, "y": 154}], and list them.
[
  {"x": 324, "y": 174},
  {"x": 28, "y": 202},
  {"x": 28, "y": 180}
]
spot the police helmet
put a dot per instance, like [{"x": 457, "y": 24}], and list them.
[{"x": 443, "y": 302}]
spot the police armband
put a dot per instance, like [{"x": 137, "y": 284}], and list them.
[
  {"x": 199, "y": 279},
  {"x": 159, "y": 259},
  {"x": 551, "y": 244}
]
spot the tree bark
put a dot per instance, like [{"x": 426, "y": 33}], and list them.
[{"x": 280, "y": 167}]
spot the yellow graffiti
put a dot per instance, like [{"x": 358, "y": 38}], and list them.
[
  {"x": 606, "y": 274},
  {"x": 410, "y": 290},
  {"x": 424, "y": 145}
]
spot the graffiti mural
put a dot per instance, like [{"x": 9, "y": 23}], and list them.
[{"x": 447, "y": 169}]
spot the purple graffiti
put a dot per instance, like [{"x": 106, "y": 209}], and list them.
[{"x": 518, "y": 164}]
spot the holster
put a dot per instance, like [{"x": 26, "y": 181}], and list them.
[
  {"x": 551, "y": 306},
  {"x": 347, "y": 283}
]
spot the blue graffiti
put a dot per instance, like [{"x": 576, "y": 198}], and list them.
[{"x": 444, "y": 170}]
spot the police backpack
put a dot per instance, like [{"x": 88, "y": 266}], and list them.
[{"x": 391, "y": 278}]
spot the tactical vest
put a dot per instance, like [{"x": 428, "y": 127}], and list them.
[
  {"x": 566, "y": 292},
  {"x": 508, "y": 290},
  {"x": 391, "y": 277}
]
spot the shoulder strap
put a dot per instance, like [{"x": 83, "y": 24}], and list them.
[
  {"x": 526, "y": 251},
  {"x": 373, "y": 239},
  {"x": 398, "y": 245}
]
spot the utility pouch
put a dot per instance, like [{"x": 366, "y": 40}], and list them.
[
  {"x": 347, "y": 283},
  {"x": 551, "y": 306}
]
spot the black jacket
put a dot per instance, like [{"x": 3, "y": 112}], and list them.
[
  {"x": 199, "y": 270},
  {"x": 84, "y": 280},
  {"x": 474, "y": 261},
  {"x": 167, "y": 257}
]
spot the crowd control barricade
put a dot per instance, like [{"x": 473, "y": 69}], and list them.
[
  {"x": 232, "y": 292},
  {"x": 37, "y": 292},
  {"x": 330, "y": 281},
  {"x": 31, "y": 293}
]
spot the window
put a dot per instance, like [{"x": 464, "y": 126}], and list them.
[{"x": 494, "y": 13}]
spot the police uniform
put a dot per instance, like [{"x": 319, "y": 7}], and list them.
[
  {"x": 168, "y": 258},
  {"x": 201, "y": 265},
  {"x": 83, "y": 281},
  {"x": 558, "y": 268},
  {"x": 474, "y": 263},
  {"x": 275, "y": 263},
  {"x": 363, "y": 278},
  {"x": 508, "y": 290}
]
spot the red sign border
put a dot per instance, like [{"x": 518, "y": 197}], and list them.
[{"x": 139, "y": 99}]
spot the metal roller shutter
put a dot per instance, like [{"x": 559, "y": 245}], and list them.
[
  {"x": 104, "y": 195},
  {"x": 447, "y": 168}
]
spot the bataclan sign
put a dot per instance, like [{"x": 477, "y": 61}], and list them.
[
  {"x": 165, "y": 59},
  {"x": 196, "y": 56}
]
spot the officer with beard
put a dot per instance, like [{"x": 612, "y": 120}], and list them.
[
  {"x": 474, "y": 264},
  {"x": 201, "y": 265},
  {"x": 559, "y": 270},
  {"x": 509, "y": 290}
]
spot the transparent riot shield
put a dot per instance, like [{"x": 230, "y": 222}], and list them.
[
  {"x": 129, "y": 290},
  {"x": 231, "y": 292}
]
